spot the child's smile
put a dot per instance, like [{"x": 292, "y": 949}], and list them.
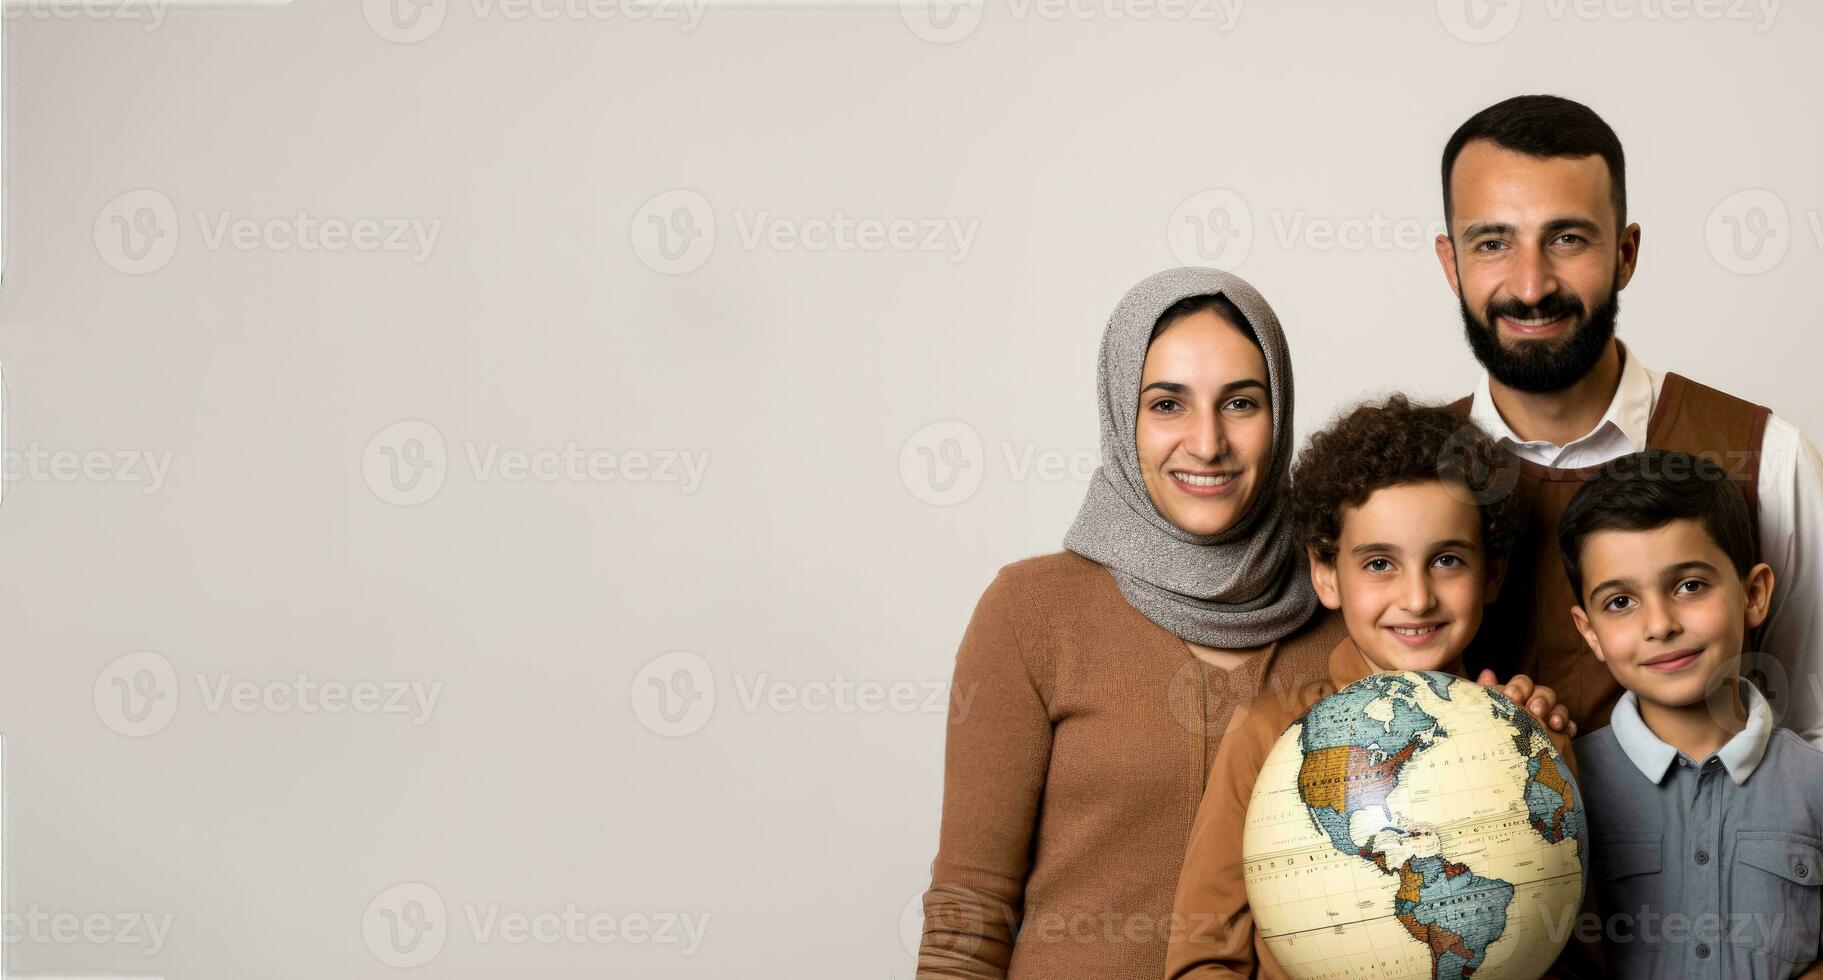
[
  {"x": 1664, "y": 609},
  {"x": 1416, "y": 635},
  {"x": 1671, "y": 663},
  {"x": 1410, "y": 575}
]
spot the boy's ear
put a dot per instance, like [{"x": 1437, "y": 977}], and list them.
[
  {"x": 1323, "y": 578},
  {"x": 1758, "y": 589},
  {"x": 1581, "y": 619}
]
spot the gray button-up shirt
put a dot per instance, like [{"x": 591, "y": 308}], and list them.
[{"x": 1711, "y": 868}]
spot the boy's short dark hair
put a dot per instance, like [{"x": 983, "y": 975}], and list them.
[
  {"x": 1542, "y": 126},
  {"x": 1647, "y": 490},
  {"x": 1392, "y": 444}
]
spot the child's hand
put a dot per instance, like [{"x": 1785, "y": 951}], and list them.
[{"x": 1540, "y": 700}]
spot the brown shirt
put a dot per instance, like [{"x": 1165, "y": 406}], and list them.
[
  {"x": 1216, "y": 936},
  {"x": 1073, "y": 775}
]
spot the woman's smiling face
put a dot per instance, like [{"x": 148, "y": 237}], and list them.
[{"x": 1204, "y": 430}]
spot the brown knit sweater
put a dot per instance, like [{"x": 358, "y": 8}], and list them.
[{"x": 1073, "y": 778}]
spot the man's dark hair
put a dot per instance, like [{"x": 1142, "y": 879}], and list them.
[
  {"x": 1648, "y": 490},
  {"x": 1542, "y": 126},
  {"x": 1394, "y": 444}
]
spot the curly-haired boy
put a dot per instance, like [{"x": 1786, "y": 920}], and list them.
[{"x": 1406, "y": 524}]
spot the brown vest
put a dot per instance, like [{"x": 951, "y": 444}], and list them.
[{"x": 1528, "y": 630}]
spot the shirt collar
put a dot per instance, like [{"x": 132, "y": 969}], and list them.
[
  {"x": 1741, "y": 754},
  {"x": 1629, "y": 413}
]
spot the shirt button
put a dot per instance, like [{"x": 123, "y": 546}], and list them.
[
  {"x": 1702, "y": 857},
  {"x": 1803, "y": 870},
  {"x": 1702, "y": 951}
]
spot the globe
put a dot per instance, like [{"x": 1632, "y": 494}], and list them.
[{"x": 1415, "y": 824}]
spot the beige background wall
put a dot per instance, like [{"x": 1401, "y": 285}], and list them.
[{"x": 261, "y": 413}]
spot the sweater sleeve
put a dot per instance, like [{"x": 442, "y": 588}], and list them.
[
  {"x": 997, "y": 752},
  {"x": 1212, "y": 932}
]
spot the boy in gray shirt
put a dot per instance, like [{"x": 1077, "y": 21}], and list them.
[{"x": 1706, "y": 818}]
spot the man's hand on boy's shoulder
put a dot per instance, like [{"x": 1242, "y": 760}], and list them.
[{"x": 1538, "y": 699}]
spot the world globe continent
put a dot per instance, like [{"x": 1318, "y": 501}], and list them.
[{"x": 1400, "y": 824}]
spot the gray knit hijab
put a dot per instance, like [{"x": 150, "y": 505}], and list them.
[{"x": 1244, "y": 587}]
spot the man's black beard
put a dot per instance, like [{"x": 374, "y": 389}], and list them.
[{"x": 1539, "y": 366}]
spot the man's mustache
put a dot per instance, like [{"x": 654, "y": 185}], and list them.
[{"x": 1553, "y": 307}]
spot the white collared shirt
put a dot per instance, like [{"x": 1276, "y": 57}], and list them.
[
  {"x": 1791, "y": 523},
  {"x": 1740, "y": 755}
]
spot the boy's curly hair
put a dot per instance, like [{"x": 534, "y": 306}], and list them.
[{"x": 1394, "y": 443}]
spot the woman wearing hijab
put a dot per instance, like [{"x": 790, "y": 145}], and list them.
[{"x": 1102, "y": 677}]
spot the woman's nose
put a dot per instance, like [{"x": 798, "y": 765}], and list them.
[{"x": 1209, "y": 441}]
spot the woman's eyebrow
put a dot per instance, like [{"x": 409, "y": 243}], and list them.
[
  {"x": 1178, "y": 388},
  {"x": 1171, "y": 386}
]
